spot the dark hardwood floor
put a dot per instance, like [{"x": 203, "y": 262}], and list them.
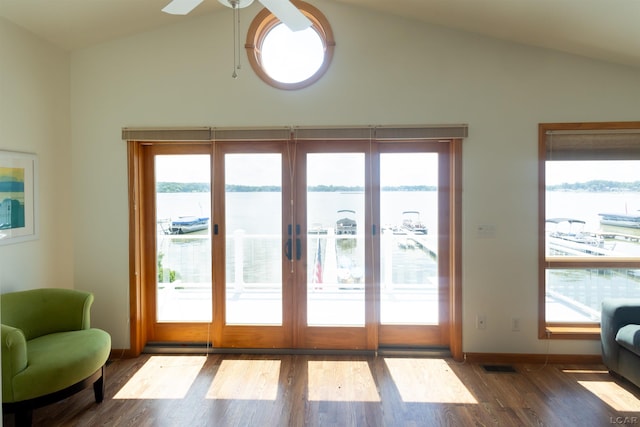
[{"x": 301, "y": 390}]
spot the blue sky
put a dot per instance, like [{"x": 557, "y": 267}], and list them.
[
  {"x": 583, "y": 171},
  {"x": 327, "y": 169}
]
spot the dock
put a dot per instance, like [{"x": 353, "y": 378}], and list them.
[
  {"x": 618, "y": 236},
  {"x": 423, "y": 242}
]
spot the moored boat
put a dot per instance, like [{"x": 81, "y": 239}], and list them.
[
  {"x": 188, "y": 224},
  {"x": 347, "y": 224},
  {"x": 620, "y": 219},
  {"x": 570, "y": 233},
  {"x": 411, "y": 222}
]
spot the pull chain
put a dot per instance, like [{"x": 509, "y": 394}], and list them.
[{"x": 236, "y": 37}]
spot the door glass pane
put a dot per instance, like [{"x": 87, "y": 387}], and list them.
[
  {"x": 253, "y": 215},
  {"x": 408, "y": 253},
  {"x": 183, "y": 244},
  {"x": 335, "y": 244}
]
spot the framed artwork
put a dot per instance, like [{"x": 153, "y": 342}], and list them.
[{"x": 18, "y": 197}]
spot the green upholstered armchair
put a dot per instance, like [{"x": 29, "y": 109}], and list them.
[{"x": 49, "y": 350}]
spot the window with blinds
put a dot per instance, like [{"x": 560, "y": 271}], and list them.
[{"x": 589, "y": 221}]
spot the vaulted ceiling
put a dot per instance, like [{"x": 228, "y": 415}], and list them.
[{"x": 601, "y": 29}]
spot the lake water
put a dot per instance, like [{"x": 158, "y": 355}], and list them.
[
  {"x": 257, "y": 216},
  {"x": 249, "y": 211}
]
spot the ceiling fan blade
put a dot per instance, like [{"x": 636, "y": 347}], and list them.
[
  {"x": 286, "y": 12},
  {"x": 181, "y": 7}
]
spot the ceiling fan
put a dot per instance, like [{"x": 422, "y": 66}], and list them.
[{"x": 284, "y": 10}]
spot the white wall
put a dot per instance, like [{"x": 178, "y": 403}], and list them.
[
  {"x": 386, "y": 70},
  {"x": 34, "y": 118}
]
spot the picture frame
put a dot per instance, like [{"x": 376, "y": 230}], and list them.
[{"x": 18, "y": 197}]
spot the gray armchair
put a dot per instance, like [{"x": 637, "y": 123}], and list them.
[{"x": 620, "y": 337}]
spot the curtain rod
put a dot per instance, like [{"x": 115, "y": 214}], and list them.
[{"x": 285, "y": 132}]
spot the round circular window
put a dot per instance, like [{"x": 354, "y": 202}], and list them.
[{"x": 286, "y": 59}]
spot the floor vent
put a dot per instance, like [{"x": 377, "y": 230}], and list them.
[{"x": 499, "y": 368}]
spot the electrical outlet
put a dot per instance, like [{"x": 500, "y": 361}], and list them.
[
  {"x": 515, "y": 324},
  {"x": 481, "y": 321}
]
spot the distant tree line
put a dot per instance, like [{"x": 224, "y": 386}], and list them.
[
  {"x": 597, "y": 186},
  {"x": 203, "y": 187},
  {"x": 410, "y": 188},
  {"x": 183, "y": 187},
  {"x": 230, "y": 188}
]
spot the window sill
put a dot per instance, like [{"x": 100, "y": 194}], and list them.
[{"x": 572, "y": 332}]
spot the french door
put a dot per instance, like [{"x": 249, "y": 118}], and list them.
[
  {"x": 253, "y": 246},
  {"x": 315, "y": 245},
  {"x": 176, "y": 242},
  {"x": 335, "y": 292},
  {"x": 414, "y": 276}
]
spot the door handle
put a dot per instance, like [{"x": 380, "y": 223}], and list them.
[
  {"x": 287, "y": 249},
  {"x": 298, "y": 244}
]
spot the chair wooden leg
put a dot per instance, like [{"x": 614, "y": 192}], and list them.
[
  {"x": 98, "y": 387},
  {"x": 24, "y": 417}
]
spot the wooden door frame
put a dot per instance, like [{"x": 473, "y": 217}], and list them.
[{"x": 137, "y": 295}]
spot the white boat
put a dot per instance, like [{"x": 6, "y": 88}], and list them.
[
  {"x": 187, "y": 224},
  {"x": 569, "y": 234},
  {"x": 347, "y": 224},
  {"x": 620, "y": 220},
  {"x": 411, "y": 222}
]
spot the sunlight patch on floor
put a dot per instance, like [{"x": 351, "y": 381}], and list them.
[
  {"x": 343, "y": 381},
  {"x": 613, "y": 395},
  {"x": 415, "y": 380},
  {"x": 163, "y": 377},
  {"x": 586, "y": 371},
  {"x": 259, "y": 380}
]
